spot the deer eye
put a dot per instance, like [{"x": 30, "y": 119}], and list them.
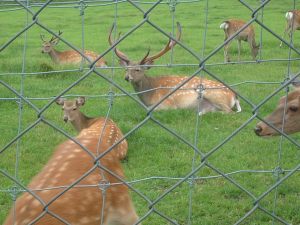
[
  {"x": 74, "y": 108},
  {"x": 293, "y": 108}
]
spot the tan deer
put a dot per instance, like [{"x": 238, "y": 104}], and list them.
[
  {"x": 292, "y": 23},
  {"x": 216, "y": 97},
  {"x": 230, "y": 27},
  {"x": 69, "y": 56},
  {"x": 80, "y": 121},
  {"x": 85, "y": 202},
  {"x": 290, "y": 113}
]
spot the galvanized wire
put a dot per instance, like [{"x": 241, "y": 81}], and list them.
[{"x": 202, "y": 68}]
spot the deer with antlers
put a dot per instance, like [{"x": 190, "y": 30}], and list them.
[
  {"x": 230, "y": 27},
  {"x": 69, "y": 56},
  {"x": 76, "y": 188},
  {"x": 216, "y": 97},
  {"x": 292, "y": 23}
]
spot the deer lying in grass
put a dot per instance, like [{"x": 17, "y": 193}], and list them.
[
  {"x": 69, "y": 56},
  {"x": 85, "y": 202},
  {"x": 81, "y": 121},
  {"x": 216, "y": 97},
  {"x": 230, "y": 27},
  {"x": 292, "y": 23},
  {"x": 291, "y": 117}
]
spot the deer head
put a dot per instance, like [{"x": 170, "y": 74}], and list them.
[
  {"x": 48, "y": 45},
  {"x": 71, "y": 108},
  {"x": 288, "y": 110},
  {"x": 135, "y": 71}
]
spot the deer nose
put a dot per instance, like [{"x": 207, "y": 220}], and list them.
[
  {"x": 127, "y": 78},
  {"x": 258, "y": 130},
  {"x": 66, "y": 119}
]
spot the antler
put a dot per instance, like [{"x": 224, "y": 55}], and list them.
[
  {"x": 42, "y": 37},
  {"x": 54, "y": 38},
  {"x": 120, "y": 54},
  {"x": 169, "y": 46}
]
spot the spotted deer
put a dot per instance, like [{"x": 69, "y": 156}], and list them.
[
  {"x": 69, "y": 56},
  {"x": 80, "y": 121},
  {"x": 216, "y": 97},
  {"x": 232, "y": 26},
  {"x": 292, "y": 23},
  {"x": 95, "y": 199},
  {"x": 288, "y": 110}
]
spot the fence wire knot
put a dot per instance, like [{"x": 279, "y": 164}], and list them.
[
  {"x": 277, "y": 171},
  {"x": 172, "y": 5},
  {"x": 200, "y": 89},
  {"x": 82, "y": 7},
  {"x": 110, "y": 96},
  {"x": 13, "y": 191},
  {"x": 103, "y": 184}
]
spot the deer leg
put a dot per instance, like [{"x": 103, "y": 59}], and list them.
[
  {"x": 239, "y": 50},
  {"x": 287, "y": 28},
  {"x": 226, "y": 56}
]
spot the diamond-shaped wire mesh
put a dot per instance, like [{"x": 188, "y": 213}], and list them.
[{"x": 207, "y": 169}]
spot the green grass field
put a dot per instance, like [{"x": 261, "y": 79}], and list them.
[{"x": 153, "y": 151}]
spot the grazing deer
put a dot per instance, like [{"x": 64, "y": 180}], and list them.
[
  {"x": 230, "y": 27},
  {"x": 70, "y": 56},
  {"x": 81, "y": 121},
  {"x": 93, "y": 199},
  {"x": 216, "y": 97},
  {"x": 288, "y": 110},
  {"x": 292, "y": 23}
]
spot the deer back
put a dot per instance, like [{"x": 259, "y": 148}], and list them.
[
  {"x": 81, "y": 204},
  {"x": 187, "y": 96}
]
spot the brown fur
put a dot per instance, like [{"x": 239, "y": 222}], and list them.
[
  {"x": 79, "y": 205},
  {"x": 291, "y": 119},
  {"x": 247, "y": 35}
]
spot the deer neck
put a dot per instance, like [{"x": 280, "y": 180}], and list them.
[
  {"x": 142, "y": 86},
  {"x": 82, "y": 122},
  {"x": 54, "y": 54}
]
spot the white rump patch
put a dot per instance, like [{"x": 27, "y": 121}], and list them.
[
  {"x": 224, "y": 26},
  {"x": 289, "y": 15}
]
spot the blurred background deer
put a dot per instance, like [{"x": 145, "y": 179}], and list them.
[
  {"x": 216, "y": 97},
  {"x": 292, "y": 23},
  {"x": 69, "y": 56},
  {"x": 85, "y": 202},
  {"x": 230, "y": 27},
  {"x": 285, "y": 117}
]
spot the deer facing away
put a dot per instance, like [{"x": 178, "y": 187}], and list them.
[
  {"x": 290, "y": 113},
  {"x": 216, "y": 97},
  {"x": 292, "y": 22},
  {"x": 69, "y": 56},
  {"x": 230, "y": 27},
  {"x": 85, "y": 202}
]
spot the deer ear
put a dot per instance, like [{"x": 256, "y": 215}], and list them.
[
  {"x": 282, "y": 100},
  {"x": 80, "y": 101},
  {"x": 60, "y": 101}
]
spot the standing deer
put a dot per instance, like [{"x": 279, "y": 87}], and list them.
[
  {"x": 69, "y": 56},
  {"x": 290, "y": 113},
  {"x": 230, "y": 27},
  {"x": 292, "y": 23},
  {"x": 94, "y": 198},
  {"x": 216, "y": 97}
]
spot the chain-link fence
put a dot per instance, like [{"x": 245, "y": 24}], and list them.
[{"x": 206, "y": 190}]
